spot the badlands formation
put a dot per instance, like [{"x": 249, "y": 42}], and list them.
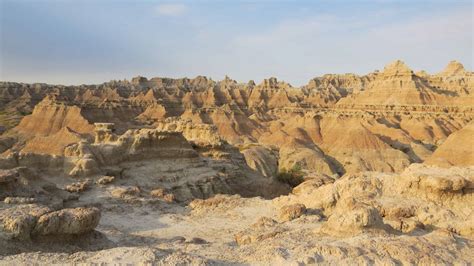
[{"x": 348, "y": 169}]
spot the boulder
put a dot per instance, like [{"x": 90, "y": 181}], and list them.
[
  {"x": 68, "y": 221},
  {"x": 18, "y": 222},
  {"x": 352, "y": 218}
]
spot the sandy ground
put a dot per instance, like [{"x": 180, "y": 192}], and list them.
[{"x": 140, "y": 231}]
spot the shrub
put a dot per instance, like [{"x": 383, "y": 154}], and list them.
[{"x": 292, "y": 177}]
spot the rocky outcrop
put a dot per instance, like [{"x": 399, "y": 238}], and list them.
[
  {"x": 133, "y": 145},
  {"x": 419, "y": 198},
  {"x": 153, "y": 113},
  {"x": 18, "y": 222},
  {"x": 25, "y": 221},
  {"x": 218, "y": 202},
  {"x": 104, "y": 132},
  {"x": 67, "y": 221},
  {"x": 202, "y": 135},
  {"x": 352, "y": 218}
]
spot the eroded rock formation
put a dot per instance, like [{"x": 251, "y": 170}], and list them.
[{"x": 190, "y": 171}]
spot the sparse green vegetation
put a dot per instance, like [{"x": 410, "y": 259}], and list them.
[{"x": 292, "y": 177}]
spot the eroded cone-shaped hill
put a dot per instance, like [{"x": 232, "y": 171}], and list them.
[{"x": 49, "y": 117}]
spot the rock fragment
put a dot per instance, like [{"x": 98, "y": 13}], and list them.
[
  {"x": 291, "y": 212},
  {"x": 105, "y": 180}
]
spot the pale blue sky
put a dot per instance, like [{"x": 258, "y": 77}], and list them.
[{"x": 75, "y": 42}]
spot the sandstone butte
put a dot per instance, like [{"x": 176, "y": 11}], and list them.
[{"x": 348, "y": 169}]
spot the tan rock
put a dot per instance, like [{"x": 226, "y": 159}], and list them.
[
  {"x": 353, "y": 219},
  {"x": 163, "y": 194},
  {"x": 311, "y": 183},
  {"x": 53, "y": 144},
  {"x": 454, "y": 68},
  {"x": 68, "y": 221},
  {"x": 50, "y": 116},
  {"x": 310, "y": 159},
  {"x": 158, "y": 193},
  {"x": 18, "y": 222},
  {"x": 457, "y": 150},
  {"x": 79, "y": 186},
  {"x": 105, "y": 180},
  {"x": 19, "y": 200},
  {"x": 405, "y": 225},
  {"x": 125, "y": 192},
  {"x": 291, "y": 212},
  {"x": 264, "y": 222}
]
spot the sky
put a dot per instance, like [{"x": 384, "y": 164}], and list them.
[{"x": 89, "y": 42}]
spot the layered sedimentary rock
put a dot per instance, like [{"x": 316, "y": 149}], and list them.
[
  {"x": 337, "y": 124},
  {"x": 49, "y": 117},
  {"x": 397, "y": 84},
  {"x": 456, "y": 150},
  {"x": 31, "y": 220},
  {"x": 382, "y": 121},
  {"x": 53, "y": 144},
  {"x": 381, "y": 166},
  {"x": 261, "y": 159},
  {"x": 200, "y": 134},
  {"x": 423, "y": 195}
]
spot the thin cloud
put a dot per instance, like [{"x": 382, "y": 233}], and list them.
[
  {"x": 244, "y": 44},
  {"x": 172, "y": 10},
  {"x": 299, "y": 49}
]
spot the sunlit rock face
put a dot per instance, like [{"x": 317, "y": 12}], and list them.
[{"x": 371, "y": 169}]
